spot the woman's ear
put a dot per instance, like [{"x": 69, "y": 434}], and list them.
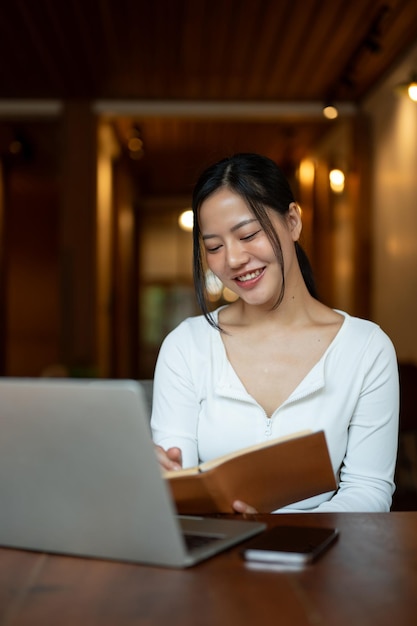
[{"x": 294, "y": 221}]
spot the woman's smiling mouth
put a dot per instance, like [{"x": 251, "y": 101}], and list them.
[{"x": 244, "y": 278}]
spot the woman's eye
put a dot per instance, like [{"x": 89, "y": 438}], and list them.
[
  {"x": 251, "y": 236},
  {"x": 213, "y": 249}
]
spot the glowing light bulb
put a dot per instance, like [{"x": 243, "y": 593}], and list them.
[
  {"x": 412, "y": 91},
  {"x": 337, "y": 181},
  {"x": 186, "y": 220},
  {"x": 330, "y": 112}
]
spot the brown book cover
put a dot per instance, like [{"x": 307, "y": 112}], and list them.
[{"x": 267, "y": 476}]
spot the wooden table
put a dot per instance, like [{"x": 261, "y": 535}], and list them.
[{"x": 369, "y": 577}]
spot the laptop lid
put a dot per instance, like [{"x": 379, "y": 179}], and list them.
[{"x": 78, "y": 475}]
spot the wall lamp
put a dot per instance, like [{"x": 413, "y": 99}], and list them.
[
  {"x": 409, "y": 88},
  {"x": 337, "y": 180},
  {"x": 330, "y": 111},
  {"x": 186, "y": 220}
]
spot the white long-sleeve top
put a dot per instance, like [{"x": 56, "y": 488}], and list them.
[{"x": 352, "y": 393}]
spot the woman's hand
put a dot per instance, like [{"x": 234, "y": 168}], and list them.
[
  {"x": 170, "y": 459},
  {"x": 242, "y": 507}
]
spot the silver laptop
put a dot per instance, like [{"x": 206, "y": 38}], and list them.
[{"x": 78, "y": 475}]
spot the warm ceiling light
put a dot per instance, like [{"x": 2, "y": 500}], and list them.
[
  {"x": 306, "y": 172},
  {"x": 135, "y": 144},
  {"x": 337, "y": 181},
  {"x": 330, "y": 112},
  {"x": 186, "y": 220},
  {"x": 408, "y": 88},
  {"x": 412, "y": 91}
]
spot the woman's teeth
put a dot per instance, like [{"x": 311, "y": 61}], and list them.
[{"x": 248, "y": 276}]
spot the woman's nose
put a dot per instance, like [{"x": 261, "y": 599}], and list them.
[{"x": 236, "y": 255}]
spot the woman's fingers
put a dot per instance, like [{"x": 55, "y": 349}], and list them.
[
  {"x": 170, "y": 459},
  {"x": 242, "y": 507}
]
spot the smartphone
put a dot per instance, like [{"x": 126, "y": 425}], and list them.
[{"x": 295, "y": 545}]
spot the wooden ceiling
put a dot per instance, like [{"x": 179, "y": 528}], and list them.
[{"x": 187, "y": 54}]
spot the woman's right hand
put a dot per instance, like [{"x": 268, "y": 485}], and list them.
[{"x": 170, "y": 459}]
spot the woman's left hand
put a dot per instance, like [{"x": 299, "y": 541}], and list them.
[{"x": 242, "y": 507}]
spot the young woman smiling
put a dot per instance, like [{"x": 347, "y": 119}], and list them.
[{"x": 276, "y": 360}]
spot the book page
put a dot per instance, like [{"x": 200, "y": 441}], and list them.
[
  {"x": 188, "y": 471},
  {"x": 203, "y": 467}
]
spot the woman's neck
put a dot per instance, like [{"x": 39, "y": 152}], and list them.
[{"x": 296, "y": 307}]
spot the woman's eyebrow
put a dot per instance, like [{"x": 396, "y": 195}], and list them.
[{"x": 235, "y": 227}]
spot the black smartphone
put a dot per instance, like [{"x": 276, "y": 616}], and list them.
[{"x": 295, "y": 545}]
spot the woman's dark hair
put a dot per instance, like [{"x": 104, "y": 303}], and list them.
[{"x": 261, "y": 183}]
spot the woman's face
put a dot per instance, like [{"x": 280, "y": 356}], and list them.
[{"x": 238, "y": 251}]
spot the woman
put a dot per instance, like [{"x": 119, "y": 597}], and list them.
[{"x": 275, "y": 361}]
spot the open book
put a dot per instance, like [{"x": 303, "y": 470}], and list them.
[{"x": 267, "y": 476}]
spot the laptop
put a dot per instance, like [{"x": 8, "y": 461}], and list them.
[{"x": 79, "y": 476}]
